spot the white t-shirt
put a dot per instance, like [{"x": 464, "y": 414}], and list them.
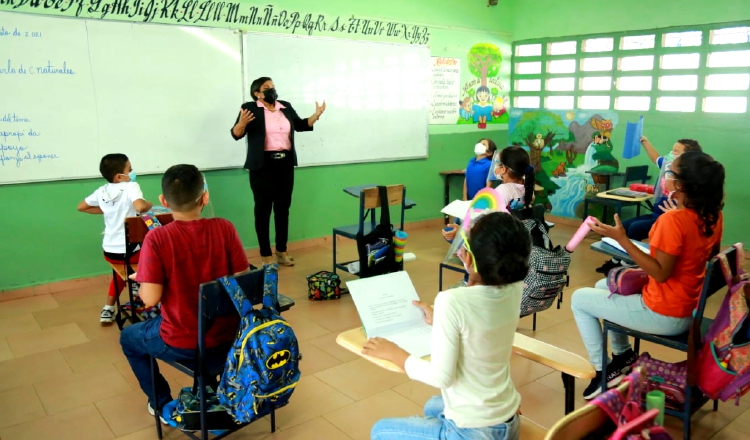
[
  {"x": 472, "y": 342},
  {"x": 512, "y": 192},
  {"x": 116, "y": 202}
]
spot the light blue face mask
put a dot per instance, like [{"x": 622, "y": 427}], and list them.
[{"x": 132, "y": 176}]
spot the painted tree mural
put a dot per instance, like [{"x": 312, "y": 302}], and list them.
[
  {"x": 547, "y": 124},
  {"x": 484, "y": 61}
]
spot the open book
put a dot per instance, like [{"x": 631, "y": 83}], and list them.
[
  {"x": 617, "y": 246},
  {"x": 384, "y": 304}
]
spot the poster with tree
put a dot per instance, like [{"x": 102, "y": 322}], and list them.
[{"x": 484, "y": 96}]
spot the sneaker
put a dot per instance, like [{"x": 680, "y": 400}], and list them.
[
  {"x": 614, "y": 377},
  {"x": 624, "y": 361},
  {"x": 151, "y": 411},
  {"x": 107, "y": 316},
  {"x": 607, "y": 266}
]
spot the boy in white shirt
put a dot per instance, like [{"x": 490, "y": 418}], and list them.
[
  {"x": 472, "y": 342},
  {"x": 121, "y": 197}
]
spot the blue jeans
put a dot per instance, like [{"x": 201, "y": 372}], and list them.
[
  {"x": 141, "y": 341},
  {"x": 637, "y": 228},
  {"x": 434, "y": 425},
  {"x": 589, "y": 305}
]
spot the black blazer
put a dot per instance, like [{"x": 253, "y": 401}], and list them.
[{"x": 256, "y": 132}]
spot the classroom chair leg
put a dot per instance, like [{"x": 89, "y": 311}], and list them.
[
  {"x": 273, "y": 421},
  {"x": 569, "y": 383},
  {"x": 334, "y": 253},
  {"x": 533, "y": 325},
  {"x": 716, "y": 405},
  {"x": 157, "y": 409},
  {"x": 637, "y": 346}
]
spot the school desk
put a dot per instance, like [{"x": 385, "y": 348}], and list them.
[
  {"x": 613, "y": 252},
  {"x": 447, "y": 188},
  {"x": 569, "y": 364},
  {"x": 357, "y": 190},
  {"x": 606, "y": 176},
  {"x": 614, "y": 201}
]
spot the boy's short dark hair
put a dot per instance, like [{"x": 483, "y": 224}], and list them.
[
  {"x": 691, "y": 145},
  {"x": 182, "y": 186},
  {"x": 112, "y": 165},
  {"x": 501, "y": 245}
]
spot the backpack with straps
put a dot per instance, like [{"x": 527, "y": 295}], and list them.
[
  {"x": 724, "y": 360},
  {"x": 548, "y": 270},
  {"x": 376, "y": 250},
  {"x": 262, "y": 366}
]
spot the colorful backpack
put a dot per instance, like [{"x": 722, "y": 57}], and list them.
[
  {"x": 262, "y": 367},
  {"x": 724, "y": 360},
  {"x": 323, "y": 285},
  {"x": 626, "y": 412},
  {"x": 670, "y": 378},
  {"x": 548, "y": 270},
  {"x": 626, "y": 280}
]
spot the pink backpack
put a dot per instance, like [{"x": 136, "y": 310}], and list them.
[
  {"x": 724, "y": 360},
  {"x": 626, "y": 280}
]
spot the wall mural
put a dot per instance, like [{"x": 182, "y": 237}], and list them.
[
  {"x": 565, "y": 146},
  {"x": 484, "y": 96}
]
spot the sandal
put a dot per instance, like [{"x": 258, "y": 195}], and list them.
[
  {"x": 284, "y": 259},
  {"x": 265, "y": 261}
]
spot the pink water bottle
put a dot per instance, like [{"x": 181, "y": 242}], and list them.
[{"x": 580, "y": 233}]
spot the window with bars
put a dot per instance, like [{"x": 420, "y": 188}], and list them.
[{"x": 702, "y": 68}]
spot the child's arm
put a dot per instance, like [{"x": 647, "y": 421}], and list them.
[
  {"x": 150, "y": 293},
  {"x": 142, "y": 205},
  {"x": 650, "y": 150},
  {"x": 88, "y": 209},
  {"x": 659, "y": 268}
]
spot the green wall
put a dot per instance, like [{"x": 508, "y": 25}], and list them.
[
  {"x": 43, "y": 238},
  {"x": 722, "y": 135}
]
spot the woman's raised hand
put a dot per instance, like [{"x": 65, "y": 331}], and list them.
[
  {"x": 246, "y": 116},
  {"x": 319, "y": 109}
]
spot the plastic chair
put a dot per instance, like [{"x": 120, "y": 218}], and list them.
[
  {"x": 369, "y": 201},
  {"x": 214, "y": 302},
  {"x": 689, "y": 342},
  {"x": 632, "y": 174}
]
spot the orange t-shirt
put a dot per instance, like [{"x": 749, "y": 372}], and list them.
[{"x": 678, "y": 233}]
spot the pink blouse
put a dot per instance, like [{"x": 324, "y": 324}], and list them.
[{"x": 278, "y": 129}]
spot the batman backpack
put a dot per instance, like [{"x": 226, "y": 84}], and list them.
[{"x": 263, "y": 364}]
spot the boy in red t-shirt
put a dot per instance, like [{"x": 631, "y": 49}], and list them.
[{"x": 175, "y": 260}]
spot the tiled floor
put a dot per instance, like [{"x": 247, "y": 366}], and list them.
[{"x": 63, "y": 376}]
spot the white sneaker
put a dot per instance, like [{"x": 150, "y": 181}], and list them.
[
  {"x": 151, "y": 411},
  {"x": 107, "y": 316}
]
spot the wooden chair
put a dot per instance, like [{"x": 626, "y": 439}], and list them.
[
  {"x": 369, "y": 202},
  {"x": 530, "y": 430},
  {"x": 632, "y": 174},
  {"x": 135, "y": 233},
  {"x": 213, "y": 302},
  {"x": 585, "y": 422},
  {"x": 689, "y": 342}
]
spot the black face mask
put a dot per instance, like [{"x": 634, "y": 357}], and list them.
[{"x": 270, "y": 95}]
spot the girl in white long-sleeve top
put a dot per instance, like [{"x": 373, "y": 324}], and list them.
[{"x": 472, "y": 341}]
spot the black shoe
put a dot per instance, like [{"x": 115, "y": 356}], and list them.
[
  {"x": 614, "y": 377},
  {"x": 624, "y": 361},
  {"x": 607, "y": 266}
]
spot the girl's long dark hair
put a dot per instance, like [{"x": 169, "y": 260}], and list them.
[
  {"x": 701, "y": 179},
  {"x": 516, "y": 159}
]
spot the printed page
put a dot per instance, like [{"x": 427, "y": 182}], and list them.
[
  {"x": 457, "y": 208},
  {"x": 384, "y": 304}
]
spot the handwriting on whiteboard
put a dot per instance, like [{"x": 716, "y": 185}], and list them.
[
  {"x": 19, "y": 33},
  {"x": 16, "y": 142},
  {"x": 11, "y": 68}
]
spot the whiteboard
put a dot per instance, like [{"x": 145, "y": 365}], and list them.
[
  {"x": 377, "y": 94},
  {"x": 74, "y": 90}
]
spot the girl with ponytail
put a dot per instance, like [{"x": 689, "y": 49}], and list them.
[
  {"x": 682, "y": 241},
  {"x": 517, "y": 173}
]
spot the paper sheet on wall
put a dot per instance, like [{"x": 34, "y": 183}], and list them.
[
  {"x": 446, "y": 90},
  {"x": 633, "y": 133},
  {"x": 384, "y": 305}
]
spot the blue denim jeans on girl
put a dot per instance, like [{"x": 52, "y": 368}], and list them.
[
  {"x": 590, "y": 305},
  {"x": 434, "y": 425}
]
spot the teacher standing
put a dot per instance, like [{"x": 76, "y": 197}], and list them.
[{"x": 269, "y": 125}]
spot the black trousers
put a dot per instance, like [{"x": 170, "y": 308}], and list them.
[{"x": 272, "y": 187}]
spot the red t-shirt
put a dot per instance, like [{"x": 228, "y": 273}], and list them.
[
  {"x": 181, "y": 256},
  {"x": 678, "y": 233}
]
